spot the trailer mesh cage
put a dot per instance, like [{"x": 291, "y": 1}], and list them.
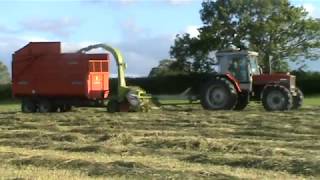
[{"x": 98, "y": 66}]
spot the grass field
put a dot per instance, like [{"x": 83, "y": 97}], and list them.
[{"x": 183, "y": 142}]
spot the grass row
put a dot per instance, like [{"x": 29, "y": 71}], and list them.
[{"x": 184, "y": 142}]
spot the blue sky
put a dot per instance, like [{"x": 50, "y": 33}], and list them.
[{"x": 143, "y": 30}]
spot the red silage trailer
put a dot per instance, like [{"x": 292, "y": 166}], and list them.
[{"x": 47, "y": 80}]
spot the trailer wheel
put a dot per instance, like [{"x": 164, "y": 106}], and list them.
[
  {"x": 219, "y": 94},
  {"x": 243, "y": 101},
  {"x": 298, "y": 99},
  {"x": 45, "y": 106},
  {"x": 276, "y": 98},
  {"x": 113, "y": 106},
  {"x": 65, "y": 108},
  {"x": 28, "y": 106}
]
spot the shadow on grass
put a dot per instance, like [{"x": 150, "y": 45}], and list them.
[
  {"x": 298, "y": 167},
  {"x": 126, "y": 169}
]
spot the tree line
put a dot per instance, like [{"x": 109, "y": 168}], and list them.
[
  {"x": 279, "y": 31},
  {"x": 4, "y": 74}
]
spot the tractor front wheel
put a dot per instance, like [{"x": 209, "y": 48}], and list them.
[
  {"x": 276, "y": 98},
  {"x": 243, "y": 101},
  {"x": 219, "y": 94},
  {"x": 298, "y": 99}
]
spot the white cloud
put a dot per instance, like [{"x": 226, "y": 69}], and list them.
[
  {"x": 144, "y": 53},
  {"x": 141, "y": 50},
  {"x": 6, "y": 30},
  {"x": 310, "y": 8},
  {"x": 192, "y": 30},
  {"x": 140, "y": 53},
  {"x": 127, "y": 1},
  {"x": 130, "y": 2},
  {"x": 179, "y": 2},
  {"x": 70, "y": 47},
  {"x": 34, "y": 39},
  {"x": 131, "y": 26},
  {"x": 60, "y": 27}
]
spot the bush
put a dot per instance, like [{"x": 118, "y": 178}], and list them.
[
  {"x": 173, "y": 84},
  {"x": 5, "y": 91},
  {"x": 308, "y": 82}
]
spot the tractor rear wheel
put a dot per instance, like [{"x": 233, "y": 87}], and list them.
[
  {"x": 298, "y": 99},
  {"x": 276, "y": 98},
  {"x": 219, "y": 94},
  {"x": 243, "y": 101},
  {"x": 45, "y": 106},
  {"x": 28, "y": 106},
  {"x": 113, "y": 106}
]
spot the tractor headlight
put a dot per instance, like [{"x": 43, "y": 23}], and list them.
[{"x": 133, "y": 98}]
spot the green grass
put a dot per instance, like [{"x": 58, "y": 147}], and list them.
[
  {"x": 313, "y": 100},
  {"x": 309, "y": 100},
  {"x": 174, "y": 142},
  {"x": 9, "y": 104}
]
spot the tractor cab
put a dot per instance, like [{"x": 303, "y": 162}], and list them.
[{"x": 242, "y": 65}]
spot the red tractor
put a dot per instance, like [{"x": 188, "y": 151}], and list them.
[{"x": 240, "y": 79}]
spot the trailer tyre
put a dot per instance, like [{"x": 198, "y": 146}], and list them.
[
  {"x": 298, "y": 99},
  {"x": 219, "y": 94},
  {"x": 28, "y": 106},
  {"x": 45, "y": 106},
  {"x": 276, "y": 98},
  {"x": 113, "y": 106},
  {"x": 65, "y": 108}
]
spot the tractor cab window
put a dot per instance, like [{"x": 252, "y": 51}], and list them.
[
  {"x": 254, "y": 67},
  {"x": 238, "y": 67}
]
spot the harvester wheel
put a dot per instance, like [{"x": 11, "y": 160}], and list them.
[
  {"x": 28, "y": 106},
  {"x": 219, "y": 94},
  {"x": 45, "y": 106},
  {"x": 298, "y": 99},
  {"x": 276, "y": 98},
  {"x": 243, "y": 101},
  {"x": 113, "y": 106}
]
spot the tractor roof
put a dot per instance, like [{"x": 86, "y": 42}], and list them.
[{"x": 229, "y": 52}]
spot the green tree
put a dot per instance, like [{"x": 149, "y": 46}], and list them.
[
  {"x": 276, "y": 29},
  {"x": 165, "y": 67},
  {"x": 4, "y": 74}
]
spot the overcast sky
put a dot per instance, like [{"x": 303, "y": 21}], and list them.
[{"x": 143, "y": 30}]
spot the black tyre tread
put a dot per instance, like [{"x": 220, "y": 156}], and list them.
[
  {"x": 49, "y": 107},
  {"x": 298, "y": 99},
  {"x": 285, "y": 92},
  {"x": 28, "y": 106},
  {"x": 243, "y": 101},
  {"x": 65, "y": 108},
  {"x": 228, "y": 85},
  {"x": 113, "y": 106}
]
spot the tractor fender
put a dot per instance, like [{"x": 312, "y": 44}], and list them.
[
  {"x": 230, "y": 78},
  {"x": 235, "y": 82}
]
